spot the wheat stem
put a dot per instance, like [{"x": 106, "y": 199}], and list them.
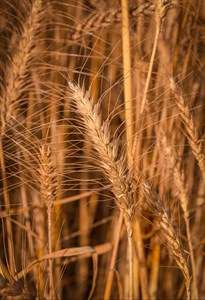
[
  {"x": 149, "y": 74},
  {"x": 130, "y": 253},
  {"x": 109, "y": 281},
  {"x": 127, "y": 77},
  {"x": 7, "y": 207},
  {"x": 51, "y": 282},
  {"x": 127, "y": 81}
]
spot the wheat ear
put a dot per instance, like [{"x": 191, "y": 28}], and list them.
[
  {"x": 48, "y": 192},
  {"x": 179, "y": 180},
  {"x": 106, "y": 17},
  {"x": 14, "y": 85},
  {"x": 190, "y": 129},
  {"x": 112, "y": 164},
  {"x": 168, "y": 231},
  {"x": 20, "y": 63}
]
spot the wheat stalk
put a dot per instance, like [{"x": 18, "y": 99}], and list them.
[
  {"x": 128, "y": 102},
  {"x": 161, "y": 7}
]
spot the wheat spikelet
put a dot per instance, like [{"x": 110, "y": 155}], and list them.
[
  {"x": 17, "y": 71},
  {"x": 161, "y": 7},
  {"x": 48, "y": 177},
  {"x": 175, "y": 166},
  {"x": 190, "y": 129}
]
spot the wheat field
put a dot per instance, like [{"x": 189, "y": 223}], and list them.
[{"x": 102, "y": 161}]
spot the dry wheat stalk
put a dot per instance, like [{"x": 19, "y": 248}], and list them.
[
  {"x": 190, "y": 129},
  {"x": 161, "y": 7},
  {"x": 128, "y": 107},
  {"x": 168, "y": 231}
]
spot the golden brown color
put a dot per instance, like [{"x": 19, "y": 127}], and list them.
[{"x": 102, "y": 167}]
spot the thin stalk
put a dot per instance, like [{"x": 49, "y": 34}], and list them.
[
  {"x": 195, "y": 291},
  {"x": 84, "y": 223},
  {"x": 109, "y": 281},
  {"x": 50, "y": 263},
  {"x": 139, "y": 245},
  {"x": 149, "y": 74},
  {"x": 25, "y": 207},
  {"x": 154, "y": 272},
  {"x": 7, "y": 208},
  {"x": 130, "y": 249},
  {"x": 127, "y": 81},
  {"x": 148, "y": 79}
]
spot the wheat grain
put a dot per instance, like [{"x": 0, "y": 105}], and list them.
[{"x": 48, "y": 177}]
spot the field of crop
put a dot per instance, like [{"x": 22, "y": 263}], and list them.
[{"x": 102, "y": 161}]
